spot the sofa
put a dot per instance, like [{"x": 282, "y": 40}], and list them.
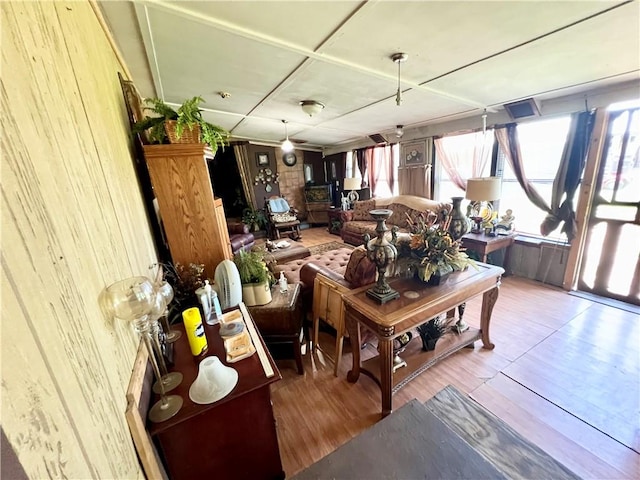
[
  {"x": 240, "y": 237},
  {"x": 357, "y": 222}
]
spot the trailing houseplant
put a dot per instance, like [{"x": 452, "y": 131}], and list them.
[{"x": 186, "y": 118}]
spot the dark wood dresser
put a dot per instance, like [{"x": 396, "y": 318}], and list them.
[{"x": 232, "y": 438}]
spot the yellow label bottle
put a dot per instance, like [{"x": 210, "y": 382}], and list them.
[{"x": 195, "y": 331}]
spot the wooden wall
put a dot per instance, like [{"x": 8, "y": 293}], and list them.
[{"x": 73, "y": 222}]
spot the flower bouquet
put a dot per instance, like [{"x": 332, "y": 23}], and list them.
[{"x": 430, "y": 249}]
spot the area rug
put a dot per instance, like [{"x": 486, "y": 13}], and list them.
[
  {"x": 325, "y": 247},
  {"x": 449, "y": 437}
]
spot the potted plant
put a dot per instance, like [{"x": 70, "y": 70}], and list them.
[
  {"x": 184, "y": 125},
  {"x": 431, "y": 250},
  {"x": 431, "y": 331},
  {"x": 255, "y": 277},
  {"x": 254, "y": 218}
]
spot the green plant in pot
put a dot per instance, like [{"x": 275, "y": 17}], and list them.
[
  {"x": 255, "y": 277},
  {"x": 184, "y": 125},
  {"x": 254, "y": 218}
]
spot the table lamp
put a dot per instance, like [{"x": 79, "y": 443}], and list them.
[
  {"x": 352, "y": 184},
  {"x": 481, "y": 192}
]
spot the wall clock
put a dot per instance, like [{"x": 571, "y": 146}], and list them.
[{"x": 289, "y": 159}]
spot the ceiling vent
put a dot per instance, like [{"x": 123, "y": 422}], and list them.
[
  {"x": 378, "y": 139},
  {"x": 522, "y": 109}
]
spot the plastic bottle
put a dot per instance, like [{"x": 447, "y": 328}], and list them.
[
  {"x": 216, "y": 311},
  {"x": 195, "y": 331},
  {"x": 282, "y": 281}
]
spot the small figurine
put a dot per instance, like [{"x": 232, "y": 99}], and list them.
[{"x": 506, "y": 221}]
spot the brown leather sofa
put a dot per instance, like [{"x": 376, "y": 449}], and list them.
[
  {"x": 240, "y": 237},
  {"x": 332, "y": 264}
]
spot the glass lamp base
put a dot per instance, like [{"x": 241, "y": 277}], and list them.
[
  {"x": 169, "y": 381},
  {"x": 165, "y": 408},
  {"x": 172, "y": 336}
]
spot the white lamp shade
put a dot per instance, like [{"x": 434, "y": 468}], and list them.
[
  {"x": 352, "y": 184},
  {"x": 483, "y": 189}
]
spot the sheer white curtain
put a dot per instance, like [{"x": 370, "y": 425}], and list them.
[{"x": 465, "y": 156}]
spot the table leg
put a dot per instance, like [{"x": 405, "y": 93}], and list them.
[
  {"x": 385, "y": 347},
  {"x": 353, "y": 327},
  {"x": 488, "y": 301}
]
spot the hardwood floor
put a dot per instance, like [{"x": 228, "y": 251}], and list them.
[{"x": 565, "y": 374}]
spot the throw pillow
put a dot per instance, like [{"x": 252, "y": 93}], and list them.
[
  {"x": 360, "y": 270},
  {"x": 399, "y": 217},
  {"x": 361, "y": 210}
]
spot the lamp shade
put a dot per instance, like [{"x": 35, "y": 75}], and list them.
[
  {"x": 483, "y": 189},
  {"x": 352, "y": 183}
]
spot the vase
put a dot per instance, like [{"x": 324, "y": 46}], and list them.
[
  {"x": 383, "y": 254},
  {"x": 254, "y": 294},
  {"x": 459, "y": 223},
  {"x": 437, "y": 278}
]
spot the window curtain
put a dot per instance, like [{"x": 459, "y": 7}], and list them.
[
  {"x": 455, "y": 152},
  {"x": 568, "y": 176},
  {"x": 242, "y": 159},
  {"x": 364, "y": 158},
  {"x": 415, "y": 181},
  {"x": 574, "y": 158},
  {"x": 381, "y": 166}
]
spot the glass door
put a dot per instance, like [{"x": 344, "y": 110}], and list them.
[{"x": 610, "y": 264}]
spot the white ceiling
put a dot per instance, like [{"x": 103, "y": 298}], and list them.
[{"x": 463, "y": 57}]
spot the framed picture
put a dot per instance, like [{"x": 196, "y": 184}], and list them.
[
  {"x": 262, "y": 159},
  {"x": 413, "y": 153}
]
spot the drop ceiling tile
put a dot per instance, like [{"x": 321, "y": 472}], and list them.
[
  {"x": 194, "y": 59},
  {"x": 305, "y": 24},
  {"x": 599, "y": 48},
  {"x": 442, "y": 36}
]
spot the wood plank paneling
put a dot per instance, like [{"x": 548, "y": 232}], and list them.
[{"x": 73, "y": 222}]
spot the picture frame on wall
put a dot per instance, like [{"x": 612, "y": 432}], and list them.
[
  {"x": 413, "y": 154},
  {"x": 262, "y": 159}
]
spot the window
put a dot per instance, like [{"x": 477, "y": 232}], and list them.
[
  {"x": 541, "y": 144},
  {"x": 469, "y": 155}
]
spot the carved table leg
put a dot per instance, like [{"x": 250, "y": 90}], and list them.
[
  {"x": 488, "y": 301},
  {"x": 353, "y": 327},
  {"x": 385, "y": 347}
]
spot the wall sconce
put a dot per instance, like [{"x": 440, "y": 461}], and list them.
[
  {"x": 311, "y": 107},
  {"x": 399, "y": 131}
]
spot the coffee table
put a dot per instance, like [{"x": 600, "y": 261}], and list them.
[
  {"x": 417, "y": 304},
  {"x": 296, "y": 251}
]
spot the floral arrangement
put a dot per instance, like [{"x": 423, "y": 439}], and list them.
[
  {"x": 184, "y": 280},
  {"x": 431, "y": 248}
]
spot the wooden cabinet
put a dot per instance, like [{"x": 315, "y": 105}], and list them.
[
  {"x": 234, "y": 437},
  {"x": 317, "y": 200},
  {"x": 194, "y": 221}
]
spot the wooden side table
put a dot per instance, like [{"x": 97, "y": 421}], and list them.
[
  {"x": 485, "y": 244},
  {"x": 280, "y": 321}
]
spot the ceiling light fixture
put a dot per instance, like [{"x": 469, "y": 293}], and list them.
[
  {"x": 311, "y": 107},
  {"x": 399, "y": 58},
  {"x": 399, "y": 131},
  {"x": 286, "y": 146}
]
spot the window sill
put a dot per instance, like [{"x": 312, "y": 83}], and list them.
[{"x": 537, "y": 241}]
